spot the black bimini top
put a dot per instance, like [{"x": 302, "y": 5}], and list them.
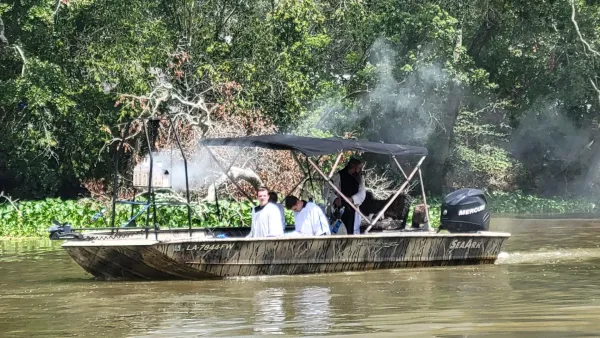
[{"x": 312, "y": 146}]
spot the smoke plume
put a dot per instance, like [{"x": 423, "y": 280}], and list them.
[{"x": 395, "y": 111}]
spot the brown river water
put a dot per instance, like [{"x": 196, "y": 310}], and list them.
[{"x": 544, "y": 284}]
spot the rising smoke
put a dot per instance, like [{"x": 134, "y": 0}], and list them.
[
  {"x": 200, "y": 168},
  {"x": 551, "y": 147},
  {"x": 407, "y": 104},
  {"x": 395, "y": 111}
]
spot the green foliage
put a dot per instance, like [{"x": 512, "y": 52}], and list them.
[
  {"x": 522, "y": 204},
  {"x": 33, "y": 218},
  {"x": 504, "y": 94}
]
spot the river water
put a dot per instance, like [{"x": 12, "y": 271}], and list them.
[{"x": 545, "y": 284}]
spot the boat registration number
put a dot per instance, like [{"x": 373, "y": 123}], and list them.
[{"x": 202, "y": 247}]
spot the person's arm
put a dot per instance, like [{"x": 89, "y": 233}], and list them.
[
  {"x": 320, "y": 222},
  {"x": 360, "y": 196}
]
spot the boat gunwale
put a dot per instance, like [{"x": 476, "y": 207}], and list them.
[
  {"x": 149, "y": 242},
  {"x": 414, "y": 234}
]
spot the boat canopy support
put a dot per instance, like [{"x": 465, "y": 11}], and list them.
[{"x": 309, "y": 146}]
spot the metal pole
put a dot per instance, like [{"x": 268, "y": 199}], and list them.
[
  {"x": 424, "y": 199},
  {"x": 305, "y": 173},
  {"x": 402, "y": 187},
  {"x": 338, "y": 191},
  {"x": 310, "y": 178},
  {"x": 187, "y": 184},
  {"x": 400, "y": 167},
  {"x": 115, "y": 187},
  {"x": 337, "y": 161},
  {"x": 133, "y": 187},
  {"x": 299, "y": 163},
  {"x": 227, "y": 174},
  {"x": 149, "y": 201},
  {"x": 296, "y": 186},
  {"x": 120, "y": 150}
]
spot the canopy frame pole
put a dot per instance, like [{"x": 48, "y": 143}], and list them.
[
  {"x": 212, "y": 155},
  {"x": 299, "y": 163},
  {"x": 311, "y": 179},
  {"x": 338, "y": 191},
  {"x": 312, "y": 187},
  {"x": 306, "y": 174},
  {"x": 337, "y": 161},
  {"x": 400, "y": 167},
  {"x": 400, "y": 190},
  {"x": 303, "y": 180},
  {"x": 427, "y": 227}
]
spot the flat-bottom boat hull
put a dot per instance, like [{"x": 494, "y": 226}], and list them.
[{"x": 201, "y": 258}]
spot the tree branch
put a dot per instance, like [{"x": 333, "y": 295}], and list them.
[
  {"x": 18, "y": 49},
  {"x": 5, "y": 43},
  {"x": 58, "y": 2},
  {"x": 595, "y": 88},
  {"x": 2, "y": 195},
  {"x": 3, "y": 38},
  {"x": 236, "y": 174},
  {"x": 585, "y": 43}
]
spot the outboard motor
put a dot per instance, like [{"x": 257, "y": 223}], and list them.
[
  {"x": 63, "y": 231},
  {"x": 465, "y": 210}
]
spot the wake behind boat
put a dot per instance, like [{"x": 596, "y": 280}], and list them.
[{"x": 203, "y": 253}]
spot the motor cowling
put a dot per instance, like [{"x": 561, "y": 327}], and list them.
[{"x": 465, "y": 210}]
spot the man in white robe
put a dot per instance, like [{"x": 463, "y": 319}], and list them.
[
  {"x": 351, "y": 183},
  {"x": 309, "y": 218},
  {"x": 266, "y": 218},
  {"x": 273, "y": 199}
]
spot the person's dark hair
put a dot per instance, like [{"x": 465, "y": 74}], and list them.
[
  {"x": 273, "y": 197},
  {"x": 290, "y": 201},
  {"x": 353, "y": 162},
  {"x": 262, "y": 188}
]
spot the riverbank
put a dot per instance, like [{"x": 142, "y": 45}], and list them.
[{"x": 32, "y": 218}]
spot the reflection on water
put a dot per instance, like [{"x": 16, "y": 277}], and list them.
[
  {"x": 544, "y": 285},
  {"x": 269, "y": 311},
  {"x": 311, "y": 309}
]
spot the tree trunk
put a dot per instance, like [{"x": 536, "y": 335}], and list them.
[
  {"x": 439, "y": 148},
  {"x": 489, "y": 26},
  {"x": 236, "y": 174}
]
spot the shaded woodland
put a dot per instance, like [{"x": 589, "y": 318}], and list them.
[{"x": 504, "y": 94}]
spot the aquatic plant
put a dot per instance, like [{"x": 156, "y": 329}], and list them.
[{"x": 33, "y": 218}]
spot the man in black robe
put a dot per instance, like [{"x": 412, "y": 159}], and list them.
[{"x": 351, "y": 183}]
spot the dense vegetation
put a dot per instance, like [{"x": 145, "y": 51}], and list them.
[
  {"x": 33, "y": 218},
  {"x": 505, "y": 95}
]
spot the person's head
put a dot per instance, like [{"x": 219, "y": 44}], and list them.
[
  {"x": 354, "y": 166},
  {"x": 293, "y": 203},
  {"x": 263, "y": 196},
  {"x": 273, "y": 197}
]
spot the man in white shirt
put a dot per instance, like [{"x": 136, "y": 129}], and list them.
[
  {"x": 351, "y": 183},
  {"x": 266, "y": 218},
  {"x": 309, "y": 219},
  {"x": 273, "y": 199}
]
